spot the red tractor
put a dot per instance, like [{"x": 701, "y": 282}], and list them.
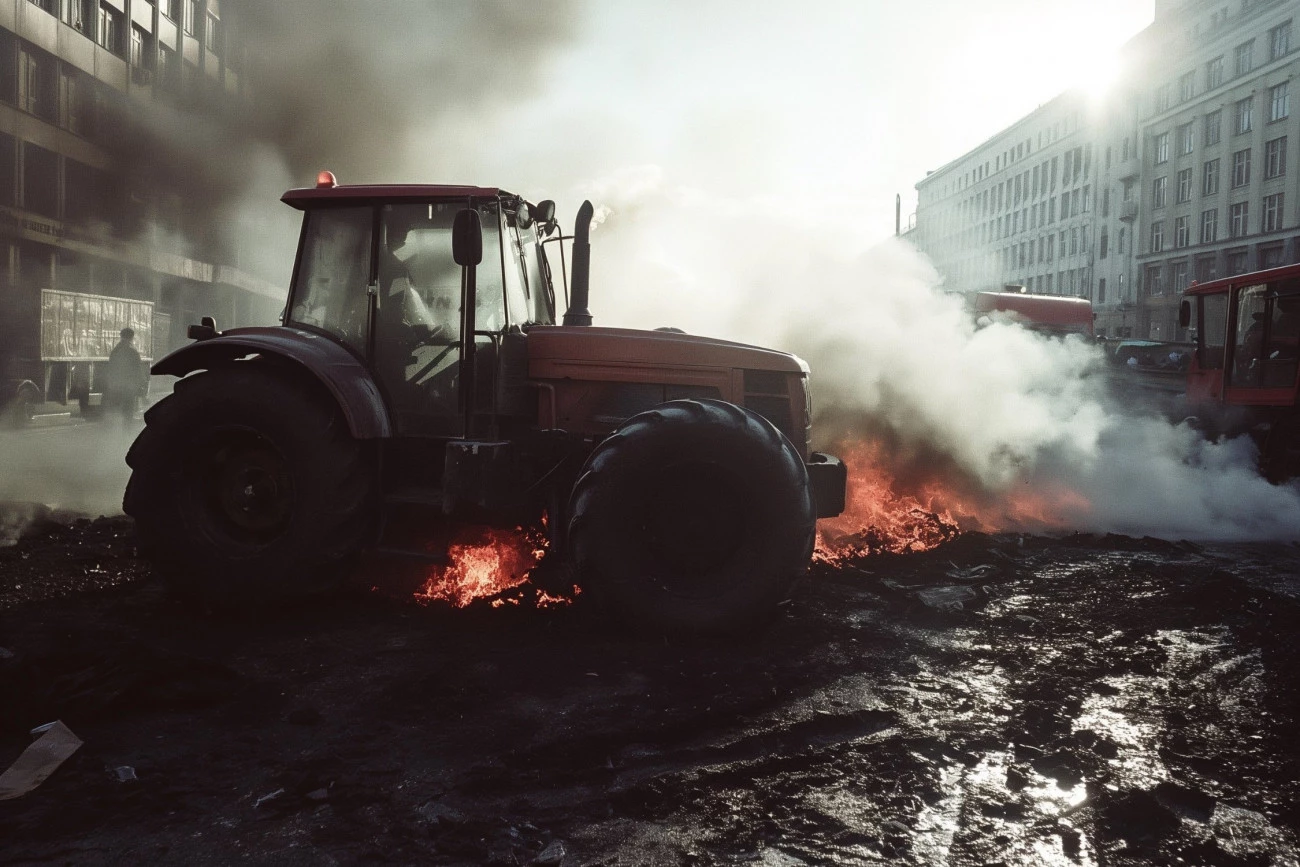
[
  {"x": 420, "y": 366},
  {"x": 1243, "y": 375}
]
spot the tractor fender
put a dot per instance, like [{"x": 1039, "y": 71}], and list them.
[{"x": 342, "y": 374}]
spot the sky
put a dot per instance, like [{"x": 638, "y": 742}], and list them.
[{"x": 831, "y": 101}]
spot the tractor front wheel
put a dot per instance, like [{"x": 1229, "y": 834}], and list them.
[
  {"x": 247, "y": 486},
  {"x": 695, "y": 517}
]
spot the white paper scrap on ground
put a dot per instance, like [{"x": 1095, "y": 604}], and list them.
[{"x": 38, "y": 761}]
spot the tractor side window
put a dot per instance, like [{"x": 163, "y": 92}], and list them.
[
  {"x": 1252, "y": 321},
  {"x": 516, "y": 288},
  {"x": 539, "y": 279},
  {"x": 1212, "y": 331},
  {"x": 330, "y": 290},
  {"x": 490, "y": 308},
  {"x": 1282, "y": 335}
]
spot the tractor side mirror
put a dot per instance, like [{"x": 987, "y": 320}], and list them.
[
  {"x": 467, "y": 238},
  {"x": 1184, "y": 314},
  {"x": 545, "y": 216},
  {"x": 205, "y": 330}
]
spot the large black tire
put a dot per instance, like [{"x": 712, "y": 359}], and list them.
[
  {"x": 695, "y": 517},
  {"x": 247, "y": 487}
]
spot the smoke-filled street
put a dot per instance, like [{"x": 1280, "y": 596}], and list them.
[{"x": 999, "y": 699}]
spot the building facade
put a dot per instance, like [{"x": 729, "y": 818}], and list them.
[
  {"x": 1181, "y": 174},
  {"x": 80, "y": 213}
]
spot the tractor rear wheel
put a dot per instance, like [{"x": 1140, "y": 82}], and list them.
[
  {"x": 246, "y": 487},
  {"x": 695, "y": 517}
]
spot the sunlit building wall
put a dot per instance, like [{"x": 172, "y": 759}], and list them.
[
  {"x": 1018, "y": 209},
  {"x": 1220, "y": 182},
  {"x": 1188, "y": 173}
]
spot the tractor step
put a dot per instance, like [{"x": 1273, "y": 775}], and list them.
[{"x": 414, "y": 554}]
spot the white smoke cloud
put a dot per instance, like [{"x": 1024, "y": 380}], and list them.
[{"x": 1004, "y": 412}]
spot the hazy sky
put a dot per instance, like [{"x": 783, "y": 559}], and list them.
[{"x": 824, "y": 102}]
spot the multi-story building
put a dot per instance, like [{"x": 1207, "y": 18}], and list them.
[
  {"x": 82, "y": 211},
  {"x": 1217, "y": 194},
  {"x": 1184, "y": 175},
  {"x": 1018, "y": 208}
]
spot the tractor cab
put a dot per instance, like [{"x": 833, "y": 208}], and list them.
[{"x": 376, "y": 271}]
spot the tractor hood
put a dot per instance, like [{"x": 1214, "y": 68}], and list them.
[{"x": 558, "y": 352}]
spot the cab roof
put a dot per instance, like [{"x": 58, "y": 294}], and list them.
[
  {"x": 307, "y": 197},
  {"x": 1224, "y": 283}
]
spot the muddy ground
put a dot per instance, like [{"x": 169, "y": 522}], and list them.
[{"x": 999, "y": 700}]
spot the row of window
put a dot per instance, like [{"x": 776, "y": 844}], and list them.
[
  {"x": 1238, "y": 223},
  {"x": 103, "y": 23},
  {"x": 1207, "y": 268},
  {"x": 1279, "y": 102},
  {"x": 1274, "y": 167},
  {"x": 1068, "y": 242},
  {"x": 1243, "y": 62}
]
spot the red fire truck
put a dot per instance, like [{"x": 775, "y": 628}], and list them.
[
  {"x": 1057, "y": 315},
  {"x": 1243, "y": 376}
]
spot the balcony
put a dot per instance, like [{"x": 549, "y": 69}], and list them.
[{"x": 1128, "y": 211}]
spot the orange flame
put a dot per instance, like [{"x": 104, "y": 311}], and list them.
[
  {"x": 483, "y": 561},
  {"x": 881, "y": 516}
]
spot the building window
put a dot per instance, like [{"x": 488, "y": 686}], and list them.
[
  {"x": 110, "y": 28},
  {"x": 1164, "y": 97},
  {"x": 40, "y": 181},
  {"x": 1103, "y": 243},
  {"x": 37, "y": 84},
  {"x": 75, "y": 107},
  {"x": 1121, "y": 245},
  {"x": 1209, "y": 226},
  {"x": 1158, "y": 192},
  {"x": 1155, "y": 280},
  {"x": 1206, "y": 269},
  {"x": 1279, "y": 41},
  {"x": 1214, "y": 73},
  {"x": 211, "y": 35},
  {"x": 142, "y": 60},
  {"x": 1210, "y": 178},
  {"x": 47, "y": 5},
  {"x": 1182, "y": 234},
  {"x": 1275, "y": 158},
  {"x": 1241, "y": 168},
  {"x": 191, "y": 15},
  {"x": 1212, "y": 127},
  {"x": 1162, "y": 147},
  {"x": 1241, "y": 115},
  {"x": 1272, "y": 213},
  {"x": 1101, "y": 291},
  {"x": 1157, "y": 236},
  {"x": 77, "y": 14},
  {"x": 1186, "y": 138},
  {"x": 1238, "y": 217},
  {"x": 1237, "y": 262},
  {"x": 1243, "y": 58},
  {"x": 1272, "y": 256},
  {"x": 1279, "y": 102},
  {"x": 1180, "y": 276},
  {"x": 1186, "y": 86},
  {"x": 1184, "y": 185}
]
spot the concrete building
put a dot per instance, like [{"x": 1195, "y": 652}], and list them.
[
  {"x": 82, "y": 216},
  {"x": 1018, "y": 208},
  {"x": 1181, "y": 174},
  {"x": 1219, "y": 190}
]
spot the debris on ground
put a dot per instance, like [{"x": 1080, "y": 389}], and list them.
[{"x": 1095, "y": 700}]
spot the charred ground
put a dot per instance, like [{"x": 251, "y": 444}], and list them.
[{"x": 996, "y": 700}]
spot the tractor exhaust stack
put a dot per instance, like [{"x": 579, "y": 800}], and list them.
[{"x": 578, "y": 314}]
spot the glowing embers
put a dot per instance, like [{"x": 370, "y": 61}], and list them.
[
  {"x": 885, "y": 514},
  {"x": 877, "y": 518},
  {"x": 486, "y": 562}
]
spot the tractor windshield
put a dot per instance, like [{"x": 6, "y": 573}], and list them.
[{"x": 329, "y": 290}]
